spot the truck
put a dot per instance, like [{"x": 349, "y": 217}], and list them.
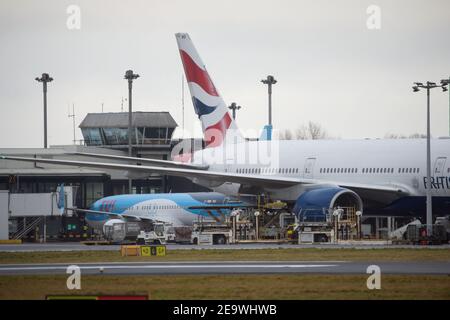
[
  {"x": 160, "y": 233},
  {"x": 418, "y": 234},
  {"x": 211, "y": 233},
  {"x": 320, "y": 225}
]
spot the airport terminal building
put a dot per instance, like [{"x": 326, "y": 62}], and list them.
[{"x": 103, "y": 133}]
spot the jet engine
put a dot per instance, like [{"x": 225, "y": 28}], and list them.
[{"x": 316, "y": 205}]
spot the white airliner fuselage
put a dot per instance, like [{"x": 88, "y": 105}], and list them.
[{"x": 383, "y": 162}]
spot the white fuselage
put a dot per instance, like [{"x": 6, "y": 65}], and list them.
[{"x": 382, "y": 162}]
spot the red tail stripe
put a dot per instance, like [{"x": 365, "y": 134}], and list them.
[
  {"x": 215, "y": 134},
  {"x": 195, "y": 74}
]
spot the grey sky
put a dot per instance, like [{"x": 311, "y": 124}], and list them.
[{"x": 331, "y": 69}]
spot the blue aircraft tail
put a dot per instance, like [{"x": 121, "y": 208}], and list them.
[{"x": 61, "y": 199}]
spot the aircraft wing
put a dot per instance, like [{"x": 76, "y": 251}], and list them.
[
  {"x": 266, "y": 181},
  {"x": 112, "y": 215},
  {"x": 216, "y": 176},
  {"x": 222, "y": 206},
  {"x": 134, "y": 160}
]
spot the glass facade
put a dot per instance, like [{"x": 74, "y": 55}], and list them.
[
  {"x": 92, "y": 136},
  {"x": 119, "y": 136},
  {"x": 94, "y": 191}
]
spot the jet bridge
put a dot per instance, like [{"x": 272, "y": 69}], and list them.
[{"x": 22, "y": 213}]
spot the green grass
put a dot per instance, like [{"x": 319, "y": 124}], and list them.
[
  {"x": 313, "y": 254},
  {"x": 231, "y": 286}
]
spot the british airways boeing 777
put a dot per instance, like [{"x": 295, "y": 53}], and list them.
[{"x": 378, "y": 176}]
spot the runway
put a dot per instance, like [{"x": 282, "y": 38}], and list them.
[
  {"x": 230, "y": 267},
  {"x": 74, "y": 246}
]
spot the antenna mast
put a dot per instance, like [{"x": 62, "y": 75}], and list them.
[{"x": 73, "y": 122}]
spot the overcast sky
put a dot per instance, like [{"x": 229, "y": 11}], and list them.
[{"x": 331, "y": 69}]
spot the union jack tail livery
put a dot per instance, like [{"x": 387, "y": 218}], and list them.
[{"x": 217, "y": 124}]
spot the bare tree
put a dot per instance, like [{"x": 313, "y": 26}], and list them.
[
  {"x": 312, "y": 131},
  {"x": 401, "y": 136},
  {"x": 417, "y": 136},
  {"x": 284, "y": 135}
]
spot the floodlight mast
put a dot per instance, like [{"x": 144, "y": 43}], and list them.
[
  {"x": 130, "y": 76},
  {"x": 270, "y": 80},
  {"x": 429, "y": 211},
  {"x": 45, "y": 78},
  {"x": 234, "y": 107}
]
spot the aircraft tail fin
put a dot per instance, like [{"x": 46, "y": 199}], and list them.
[
  {"x": 217, "y": 124},
  {"x": 266, "y": 134},
  {"x": 61, "y": 199}
]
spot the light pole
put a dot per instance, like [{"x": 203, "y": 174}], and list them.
[
  {"x": 445, "y": 82},
  {"x": 429, "y": 85},
  {"x": 45, "y": 78},
  {"x": 130, "y": 76},
  {"x": 234, "y": 107},
  {"x": 270, "y": 80}
]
